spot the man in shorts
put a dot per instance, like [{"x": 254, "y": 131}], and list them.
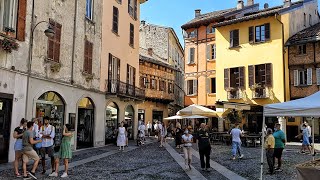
[
  {"x": 280, "y": 140},
  {"x": 28, "y": 151},
  {"x": 47, "y": 132}
]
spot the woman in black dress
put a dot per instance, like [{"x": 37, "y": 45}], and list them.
[{"x": 178, "y": 136}]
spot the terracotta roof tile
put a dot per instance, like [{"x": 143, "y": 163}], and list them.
[{"x": 308, "y": 34}]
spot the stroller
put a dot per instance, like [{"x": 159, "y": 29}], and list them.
[{"x": 140, "y": 138}]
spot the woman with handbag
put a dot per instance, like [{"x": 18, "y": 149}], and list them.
[{"x": 17, "y": 134}]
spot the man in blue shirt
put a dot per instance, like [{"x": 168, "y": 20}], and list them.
[{"x": 280, "y": 140}]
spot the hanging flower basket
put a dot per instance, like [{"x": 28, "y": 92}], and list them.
[{"x": 8, "y": 45}]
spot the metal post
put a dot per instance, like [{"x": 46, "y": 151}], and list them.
[
  {"x": 262, "y": 146},
  {"x": 313, "y": 138}
]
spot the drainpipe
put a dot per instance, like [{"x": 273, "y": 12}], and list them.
[
  {"x": 283, "y": 59},
  {"x": 74, "y": 39},
  {"x": 206, "y": 66},
  {"x": 197, "y": 66}
]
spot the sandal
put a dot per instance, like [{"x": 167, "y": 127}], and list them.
[{"x": 18, "y": 175}]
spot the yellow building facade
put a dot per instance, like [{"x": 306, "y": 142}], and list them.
[{"x": 252, "y": 61}]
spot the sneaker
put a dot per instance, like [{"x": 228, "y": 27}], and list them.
[
  {"x": 54, "y": 174},
  {"x": 208, "y": 169},
  {"x": 26, "y": 177},
  {"x": 241, "y": 156},
  {"x": 203, "y": 169},
  {"x": 187, "y": 167},
  {"x": 43, "y": 172},
  {"x": 33, "y": 175},
  {"x": 278, "y": 169},
  {"x": 233, "y": 158},
  {"x": 64, "y": 175},
  {"x": 18, "y": 175},
  {"x": 270, "y": 173}
]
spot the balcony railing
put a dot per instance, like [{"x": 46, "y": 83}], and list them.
[
  {"x": 234, "y": 94},
  {"x": 260, "y": 93},
  {"x": 116, "y": 87}
]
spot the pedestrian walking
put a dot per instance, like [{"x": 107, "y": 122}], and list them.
[
  {"x": 28, "y": 151},
  {"x": 64, "y": 153},
  {"x": 163, "y": 134},
  {"x": 17, "y": 134},
  {"x": 149, "y": 127},
  {"x": 269, "y": 146},
  {"x": 236, "y": 141},
  {"x": 155, "y": 129},
  {"x": 141, "y": 133},
  {"x": 178, "y": 135},
  {"x": 187, "y": 140},
  {"x": 305, "y": 139},
  {"x": 159, "y": 126},
  {"x": 204, "y": 147},
  {"x": 280, "y": 140},
  {"x": 121, "y": 139},
  {"x": 47, "y": 132}
]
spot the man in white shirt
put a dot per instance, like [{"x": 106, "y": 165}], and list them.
[
  {"x": 236, "y": 142},
  {"x": 159, "y": 130},
  {"x": 155, "y": 128},
  {"x": 36, "y": 127},
  {"x": 47, "y": 132},
  {"x": 142, "y": 129}
]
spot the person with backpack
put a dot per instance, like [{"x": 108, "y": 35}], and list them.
[
  {"x": 47, "y": 131},
  {"x": 204, "y": 147},
  {"x": 28, "y": 151}
]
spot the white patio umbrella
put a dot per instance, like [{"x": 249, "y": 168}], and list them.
[
  {"x": 173, "y": 117},
  {"x": 197, "y": 110}
]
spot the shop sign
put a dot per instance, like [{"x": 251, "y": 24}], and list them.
[{"x": 1, "y": 105}]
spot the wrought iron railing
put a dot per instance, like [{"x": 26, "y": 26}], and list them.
[{"x": 117, "y": 87}]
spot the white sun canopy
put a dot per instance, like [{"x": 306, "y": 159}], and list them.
[
  {"x": 197, "y": 110},
  {"x": 304, "y": 107}
]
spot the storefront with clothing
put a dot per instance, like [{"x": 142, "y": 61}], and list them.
[
  {"x": 112, "y": 121},
  {"x": 85, "y": 128},
  {"x": 6, "y": 101},
  {"x": 51, "y": 104}
]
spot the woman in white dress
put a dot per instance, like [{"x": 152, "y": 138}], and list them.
[{"x": 121, "y": 140}]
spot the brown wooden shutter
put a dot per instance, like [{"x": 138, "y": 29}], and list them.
[
  {"x": 241, "y": 78},
  {"x": 57, "y": 42},
  {"x": 90, "y": 55},
  {"x": 236, "y": 38},
  {"x": 51, "y": 42},
  {"x": 110, "y": 67},
  {"x": 267, "y": 31},
  {"x": 118, "y": 69},
  {"x": 135, "y": 9},
  {"x": 134, "y": 77},
  {"x": 128, "y": 73},
  {"x": 85, "y": 61},
  {"x": 251, "y": 75},
  {"x": 21, "y": 24},
  {"x": 268, "y": 74},
  {"x": 226, "y": 78},
  {"x": 251, "y": 34}
]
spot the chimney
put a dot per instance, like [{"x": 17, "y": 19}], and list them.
[
  {"x": 143, "y": 22},
  {"x": 250, "y": 2},
  {"x": 240, "y": 4},
  {"x": 286, "y": 3},
  {"x": 150, "y": 51},
  {"x": 197, "y": 12}
]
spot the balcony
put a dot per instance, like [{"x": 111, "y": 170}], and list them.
[
  {"x": 260, "y": 93},
  {"x": 234, "y": 93},
  {"x": 124, "y": 90},
  {"x": 159, "y": 96}
]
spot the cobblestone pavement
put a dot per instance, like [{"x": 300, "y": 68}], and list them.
[
  {"x": 249, "y": 166},
  {"x": 147, "y": 162}
]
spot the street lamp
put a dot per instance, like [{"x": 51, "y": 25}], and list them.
[{"x": 49, "y": 32}]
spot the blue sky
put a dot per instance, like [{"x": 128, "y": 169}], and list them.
[{"x": 174, "y": 13}]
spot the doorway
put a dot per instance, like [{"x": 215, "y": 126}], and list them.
[
  {"x": 5, "y": 123},
  {"x": 85, "y": 123}
]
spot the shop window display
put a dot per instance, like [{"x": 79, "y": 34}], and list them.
[
  {"x": 51, "y": 104},
  {"x": 112, "y": 115},
  {"x": 85, "y": 123},
  {"x": 128, "y": 122}
]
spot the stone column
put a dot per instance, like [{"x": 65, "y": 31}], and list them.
[{"x": 220, "y": 124}]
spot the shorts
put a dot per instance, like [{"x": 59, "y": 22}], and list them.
[
  {"x": 32, "y": 154},
  {"x": 306, "y": 142},
  {"x": 47, "y": 150},
  {"x": 18, "y": 145},
  {"x": 277, "y": 153}
]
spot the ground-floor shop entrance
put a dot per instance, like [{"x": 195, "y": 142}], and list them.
[
  {"x": 112, "y": 120},
  {"x": 5, "y": 123},
  {"x": 85, "y": 123}
]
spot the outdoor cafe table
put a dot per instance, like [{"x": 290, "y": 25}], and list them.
[{"x": 251, "y": 138}]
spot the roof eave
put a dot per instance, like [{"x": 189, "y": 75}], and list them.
[{"x": 303, "y": 41}]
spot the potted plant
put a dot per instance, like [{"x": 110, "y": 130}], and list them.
[
  {"x": 8, "y": 44},
  {"x": 55, "y": 67}
]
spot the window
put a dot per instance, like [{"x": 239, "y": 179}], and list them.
[
  {"x": 132, "y": 8},
  {"x": 259, "y": 33},
  {"x": 191, "y": 56},
  {"x": 162, "y": 85},
  {"x": 260, "y": 75},
  {"x": 89, "y": 9},
  {"x": 170, "y": 88},
  {"x": 211, "y": 51},
  {"x": 192, "y": 34},
  {"x": 115, "y": 20},
  {"x": 154, "y": 84},
  {"x": 234, "y": 78},
  {"x": 131, "y": 75},
  {"x": 302, "y": 49},
  {"x": 54, "y": 42},
  {"x": 318, "y": 76},
  {"x": 114, "y": 68},
  {"x": 310, "y": 20},
  {"x": 234, "y": 38},
  {"x": 304, "y": 19},
  {"x": 212, "y": 85},
  {"x": 131, "y": 35},
  {"x": 192, "y": 87},
  {"x": 87, "y": 64},
  {"x": 303, "y": 77},
  {"x": 143, "y": 82},
  {"x": 211, "y": 30}
]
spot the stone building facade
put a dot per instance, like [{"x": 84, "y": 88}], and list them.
[
  {"x": 158, "y": 79},
  {"x": 166, "y": 46},
  {"x": 304, "y": 70}
]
